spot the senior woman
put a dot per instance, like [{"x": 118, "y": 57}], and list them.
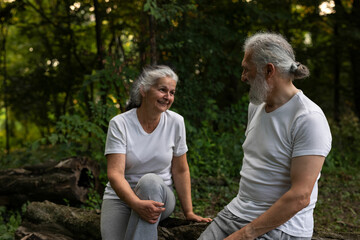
[{"x": 146, "y": 154}]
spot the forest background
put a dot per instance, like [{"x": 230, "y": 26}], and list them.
[{"x": 66, "y": 68}]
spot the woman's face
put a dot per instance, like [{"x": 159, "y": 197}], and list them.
[{"x": 161, "y": 95}]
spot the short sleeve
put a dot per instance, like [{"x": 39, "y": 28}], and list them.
[
  {"x": 311, "y": 135},
  {"x": 116, "y": 137},
  {"x": 180, "y": 141}
]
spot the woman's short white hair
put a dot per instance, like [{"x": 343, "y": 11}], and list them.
[{"x": 146, "y": 79}]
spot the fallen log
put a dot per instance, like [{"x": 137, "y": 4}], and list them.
[
  {"x": 66, "y": 181},
  {"x": 46, "y": 220},
  {"x": 49, "y": 221}
]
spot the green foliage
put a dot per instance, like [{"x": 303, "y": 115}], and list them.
[
  {"x": 94, "y": 199},
  {"x": 169, "y": 11},
  {"x": 52, "y": 83},
  {"x": 10, "y": 220},
  {"x": 338, "y": 205},
  {"x": 215, "y": 147},
  {"x": 83, "y": 131},
  {"x": 345, "y": 144}
]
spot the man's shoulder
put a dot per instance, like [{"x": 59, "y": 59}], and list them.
[
  {"x": 253, "y": 108},
  {"x": 306, "y": 105}
]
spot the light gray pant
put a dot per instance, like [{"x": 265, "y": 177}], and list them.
[
  {"x": 120, "y": 222},
  {"x": 226, "y": 223}
]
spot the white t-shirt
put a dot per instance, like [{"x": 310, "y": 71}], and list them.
[
  {"x": 297, "y": 128},
  {"x": 145, "y": 152}
]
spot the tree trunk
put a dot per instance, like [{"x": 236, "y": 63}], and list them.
[
  {"x": 152, "y": 28},
  {"x": 6, "y": 104},
  {"x": 46, "y": 220},
  {"x": 337, "y": 66},
  {"x": 354, "y": 54},
  {"x": 143, "y": 40},
  {"x": 98, "y": 32},
  {"x": 69, "y": 180}
]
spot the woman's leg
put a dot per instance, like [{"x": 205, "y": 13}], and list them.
[
  {"x": 115, "y": 216},
  {"x": 150, "y": 187}
]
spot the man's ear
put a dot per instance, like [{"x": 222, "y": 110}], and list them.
[
  {"x": 270, "y": 70},
  {"x": 142, "y": 92}
]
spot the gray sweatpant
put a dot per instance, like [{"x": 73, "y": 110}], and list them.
[
  {"x": 120, "y": 222},
  {"x": 226, "y": 223}
]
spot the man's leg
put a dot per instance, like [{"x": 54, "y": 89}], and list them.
[
  {"x": 278, "y": 234},
  {"x": 224, "y": 224},
  {"x": 150, "y": 187}
]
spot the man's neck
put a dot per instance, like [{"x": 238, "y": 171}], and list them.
[{"x": 280, "y": 94}]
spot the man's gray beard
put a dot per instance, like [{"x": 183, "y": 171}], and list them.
[{"x": 259, "y": 90}]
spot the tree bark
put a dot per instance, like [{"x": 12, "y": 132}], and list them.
[
  {"x": 49, "y": 221},
  {"x": 46, "y": 220},
  {"x": 68, "y": 181},
  {"x": 98, "y": 32},
  {"x": 354, "y": 54},
  {"x": 337, "y": 66},
  {"x": 152, "y": 29},
  {"x": 6, "y": 105}
]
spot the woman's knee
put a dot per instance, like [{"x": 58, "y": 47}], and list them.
[
  {"x": 150, "y": 181},
  {"x": 149, "y": 186}
]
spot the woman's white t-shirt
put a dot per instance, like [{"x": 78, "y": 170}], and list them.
[{"x": 145, "y": 152}]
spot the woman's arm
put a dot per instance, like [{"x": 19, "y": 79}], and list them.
[
  {"x": 181, "y": 176},
  {"x": 147, "y": 209}
]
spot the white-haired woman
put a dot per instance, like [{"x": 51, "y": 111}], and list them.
[{"x": 146, "y": 154}]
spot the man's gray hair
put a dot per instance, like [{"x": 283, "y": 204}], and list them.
[
  {"x": 146, "y": 79},
  {"x": 273, "y": 48}
]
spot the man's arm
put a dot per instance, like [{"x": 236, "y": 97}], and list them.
[{"x": 304, "y": 172}]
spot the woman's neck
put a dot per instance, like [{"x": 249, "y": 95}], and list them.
[{"x": 147, "y": 119}]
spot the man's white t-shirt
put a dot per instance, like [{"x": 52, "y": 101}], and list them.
[
  {"x": 297, "y": 128},
  {"x": 145, "y": 152}
]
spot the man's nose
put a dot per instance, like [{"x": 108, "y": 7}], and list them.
[{"x": 243, "y": 78}]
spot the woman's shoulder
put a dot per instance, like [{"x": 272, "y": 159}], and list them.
[
  {"x": 174, "y": 118},
  {"x": 124, "y": 116},
  {"x": 174, "y": 115}
]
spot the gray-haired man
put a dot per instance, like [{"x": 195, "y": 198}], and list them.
[{"x": 287, "y": 140}]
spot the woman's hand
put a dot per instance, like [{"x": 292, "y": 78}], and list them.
[
  {"x": 193, "y": 217},
  {"x": 149, "y": 210}
]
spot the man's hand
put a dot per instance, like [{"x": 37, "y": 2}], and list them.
[
  {"x": 246, "y": 233},
  {"x": 149, "y": 210},
  {"x": 193, "y": 217}
]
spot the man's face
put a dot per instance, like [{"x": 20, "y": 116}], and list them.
[{"x": 259, "y": 88}]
